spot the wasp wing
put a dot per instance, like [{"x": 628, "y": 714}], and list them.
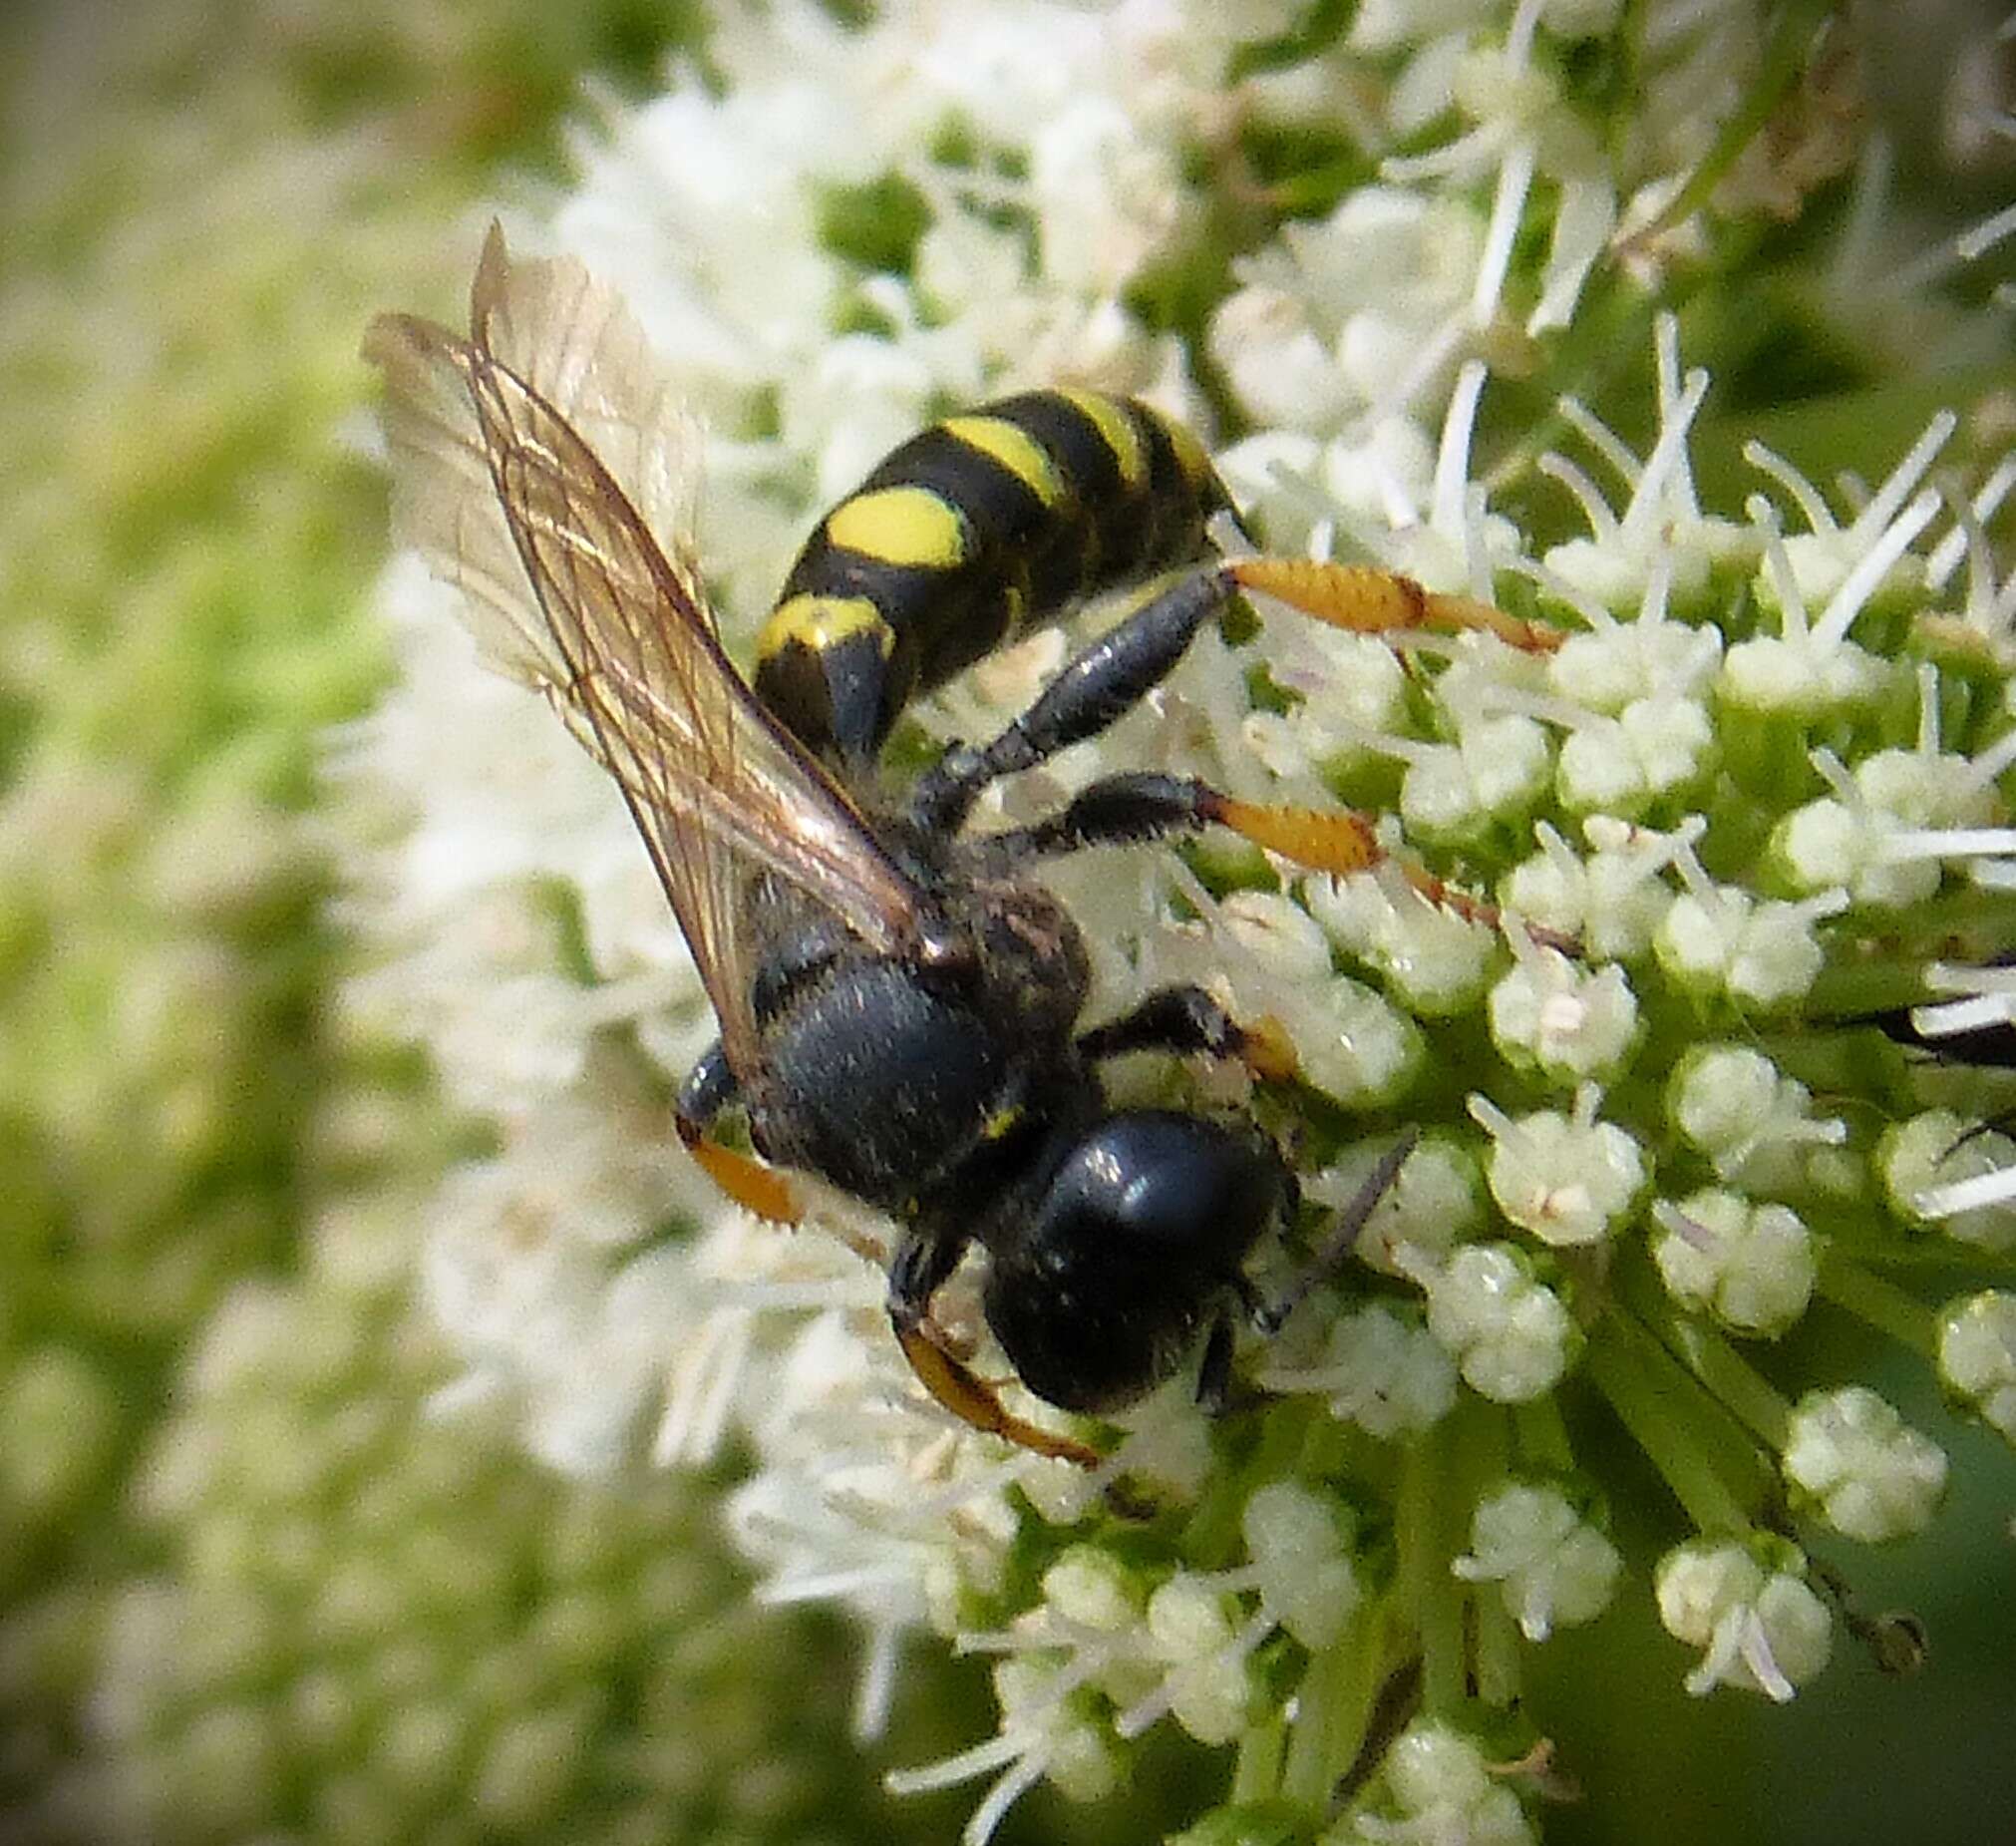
[{"x": 570, "y": 591}]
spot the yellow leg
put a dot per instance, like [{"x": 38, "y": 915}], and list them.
[
  {"x": 973, "y": 1401},
  {"x": 1267, "y": 1051},
  {"x": 748, "y": 1181},
  {"x": 1341, "y": 840},
  {"x": 1367, "y": 601}
]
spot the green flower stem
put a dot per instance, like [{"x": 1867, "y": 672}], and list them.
[
  {"x": 1257, "y": 1770},
  {"x": 1648, "y": 1389},
  {"x": 1437, "y": 1597},
  {"x": 1878, "y": 1304},
  {"x": 1723, "y": 1373},
  {"x": 1540, "y": 1435},
  {"x": 1334, "y": 1704},
  {"x": 1497, "y": 1652}
]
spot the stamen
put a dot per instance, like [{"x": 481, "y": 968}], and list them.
[
  {"x": 1874, "y": 566},
  {"x": 1603, "y": 522},
  {"x": 1600, "y": 436},
  {"x": 1514, "y": 180},
  {"x": 1820, "y": 519}
]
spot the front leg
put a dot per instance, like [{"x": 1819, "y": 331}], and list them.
[
  {"x": 1102, "y": 683},
  {"x": 923, "y": 1262},
  {"x": 1187, "y": 1020}
]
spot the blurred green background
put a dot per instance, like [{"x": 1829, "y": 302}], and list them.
[{"x": 245, "y": 1592}]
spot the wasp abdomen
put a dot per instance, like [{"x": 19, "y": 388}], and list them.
[{"x": 963, "y": 536}]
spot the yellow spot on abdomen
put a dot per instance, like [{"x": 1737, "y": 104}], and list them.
[
  {"x": 900, "y": 526},
  {"x": 820, "y": 623},
  {"x": 1015, "y": 449},
  {"x": 1116, "y": 430}
]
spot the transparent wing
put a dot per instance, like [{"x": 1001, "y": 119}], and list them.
[{"x": 569, "y": 591}]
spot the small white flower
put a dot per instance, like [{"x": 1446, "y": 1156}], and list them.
[
  {"x": 1431, "y": 959},
  {"x": 1885, "y": 829},
  {"x": 1938, "y": 1168},
  {"x": 1653, "y": 750},
  {"x": 1190, "y": 1621},
  {"x": 1732, "y": 1103},
  {"x": 1511, "y": 1334},
  {"x": 1277, "y": 364},
  {"x": 1661, "y": 538},
  {"x": 1615, "y": 899},
  {"x": 1568, "y": 1179},
  {"x": 1299, "y": 1542},
  {"x": 1761, "y": 952},
  {"x": 1354, "y": 1046},
  {"x": 1497, "y": 773},
  {"x": 1621, "y": 665},
  {"x": 1871, "y": 1475},
  {"x": 1763, "y": 1628},
  {"x": 1434, "y": 1203},
  {"x": 1751, "y": 1266},
  {"x": 1550, "y": 1564},
  {"x": 1850, "y": 567},
  {"x": 1560, "y": 1018},
  {"x": 1438, "y": 1786},
  {"x": 1977, "y": 1356},
  {"x": 1378, "y": 1369}
]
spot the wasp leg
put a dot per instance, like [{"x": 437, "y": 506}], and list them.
[
  {"x": 1142, "y": 805},
  {"x": 1106, "y": 680},
  {"x": 1215, "y": 1373},
  {"x": 1184, "y": 1019},
  {"x": 921, "y": 1265},
  {"x": 1115, "y": 673},
  {"x": 709, "y": 1088},
  {"x": 1364, "y": 599}
]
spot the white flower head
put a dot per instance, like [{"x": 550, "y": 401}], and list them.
[
  {"x": 1761, "y": 1625},
  {"x": 1568, "y": 1179},
  {"x": 1511, "y": 1335},
  {"x": 1550, "y": 1564},
  {"x": 1675, "y": 753},
  {"x": 1751, "y": 1265},
  {"x": 1870, "y": 1474}
]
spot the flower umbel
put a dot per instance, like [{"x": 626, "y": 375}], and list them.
[{"x": 1662, "y": 887}]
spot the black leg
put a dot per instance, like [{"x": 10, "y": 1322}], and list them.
[
  {"x": 1106, "y": 679},
  {"x": 1177, "y": 1019},
  {"x": 924, "y": 1259},
  {"x": 1118, "y": 810},
  {"x": 1215, "y": 1374}
]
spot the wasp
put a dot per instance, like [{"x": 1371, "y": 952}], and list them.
[{"x": 898, "y": 1000}]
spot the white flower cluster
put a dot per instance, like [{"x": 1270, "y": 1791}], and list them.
[{"x": 981, "y": 196}]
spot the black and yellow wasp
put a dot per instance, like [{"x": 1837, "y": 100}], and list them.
[{"x": 898, "y": 1000}]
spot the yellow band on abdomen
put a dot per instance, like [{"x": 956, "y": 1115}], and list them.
[
  {"x": 820, "y": 623},
  {"x": 1015, "y": 450},
  {"x": 900, "y": 526}
]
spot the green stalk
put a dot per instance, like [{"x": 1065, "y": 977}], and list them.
[
  {"x": 1628, "y": 1365},
  {"x": 1436, "y": 1595},
  {"x": 1878, "y": 1303}
]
